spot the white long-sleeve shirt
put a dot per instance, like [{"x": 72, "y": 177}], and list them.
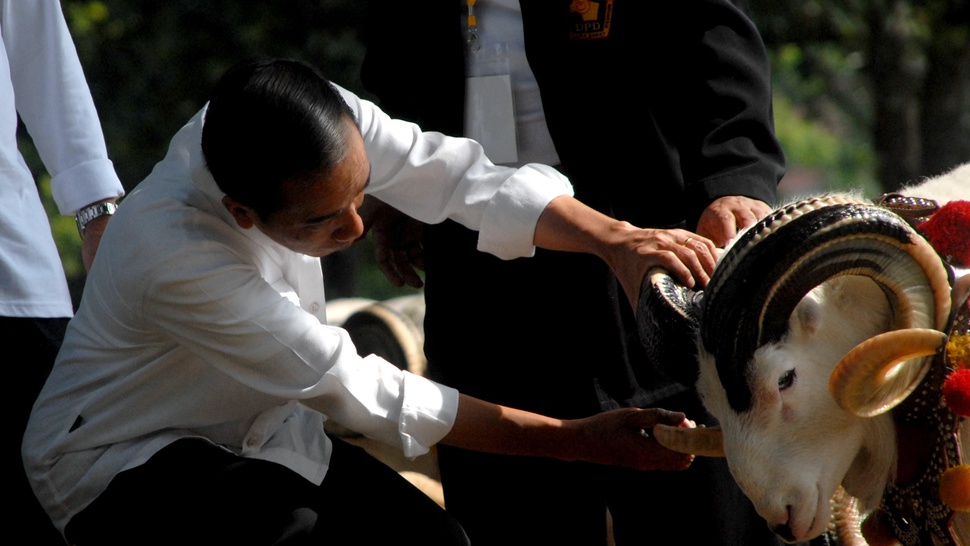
[
  {"x": 193, "y": 327},
  {"x": 42, "y": 80}
]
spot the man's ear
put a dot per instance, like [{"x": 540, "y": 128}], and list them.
[{"x": 241, "y": 213}]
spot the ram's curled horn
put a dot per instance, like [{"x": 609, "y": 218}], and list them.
[
  {"x": 703, "y": 441},
  {"x": 773, "y": 265},
  {"x": 868, "y": 380},
  {"x": 667, "y": 316}
]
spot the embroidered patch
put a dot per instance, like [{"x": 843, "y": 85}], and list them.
[{"x": 590, "y": 20}]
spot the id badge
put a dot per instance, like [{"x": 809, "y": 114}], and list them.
[{"x": 490, "y": 116}]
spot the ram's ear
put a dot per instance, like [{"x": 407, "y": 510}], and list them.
[
  {"x": 882, "y": 371},
  {"x": 804, "y": 322}
]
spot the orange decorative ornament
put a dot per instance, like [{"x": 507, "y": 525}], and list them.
[{"x": 955, "y": 487}]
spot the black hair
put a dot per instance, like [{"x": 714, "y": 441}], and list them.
[{"x": 269, "y": 122}]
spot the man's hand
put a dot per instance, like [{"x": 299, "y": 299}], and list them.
[
  {"x": 725, "y": 217},
  {"x": 92, "y": 238},
  {"x": 624, "y": 437},
  {"x": 397, "y": 241},
  {"x": 568, "y": 225},
  {"x": 688, "y": 257}
]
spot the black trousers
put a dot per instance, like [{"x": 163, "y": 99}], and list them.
[
  {"x": 31, "y": 345},
  {"x": 192, "y": 493}
]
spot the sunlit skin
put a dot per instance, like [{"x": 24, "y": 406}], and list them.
[{"x": 320, "y": 216}]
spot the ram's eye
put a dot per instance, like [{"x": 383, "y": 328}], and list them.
[{"x": 786, "y": 380}]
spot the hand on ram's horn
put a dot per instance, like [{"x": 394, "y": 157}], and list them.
[
  {"x": 686, "y": 256},
  {"x": 624, "y": 437},
  {"x": 566, "y": 224},
  {"x": 726, "y": 216}
]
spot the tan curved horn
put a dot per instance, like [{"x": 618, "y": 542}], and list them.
[
  {"x": 873, "y": 377},
  {"x": 703, "y": 441}
]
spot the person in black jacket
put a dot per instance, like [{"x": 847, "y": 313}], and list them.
[{"x": 660, "y": 114}]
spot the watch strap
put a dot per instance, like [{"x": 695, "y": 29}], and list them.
[{"x": 91, "y": 212}]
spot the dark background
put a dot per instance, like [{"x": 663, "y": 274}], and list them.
[{"x": 869, "y": 94}]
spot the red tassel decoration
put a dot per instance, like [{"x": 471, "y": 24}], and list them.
[
  {"x": 956, "y": 392},
  {"x": 948, "y": 230}
]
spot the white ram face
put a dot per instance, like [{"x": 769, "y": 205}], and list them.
[{"x": 795, "y": 446}]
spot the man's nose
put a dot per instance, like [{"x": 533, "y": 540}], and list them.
[{"x": 351, "y": 228}]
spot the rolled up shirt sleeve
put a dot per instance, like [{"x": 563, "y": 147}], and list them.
[
  {"x": 433, "y": 177},
  {"x": 84, "y": 184}
]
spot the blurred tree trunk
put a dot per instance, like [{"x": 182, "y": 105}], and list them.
[
  {"x": 945, "y": 96},
  {"x": 895, "y": 73}
]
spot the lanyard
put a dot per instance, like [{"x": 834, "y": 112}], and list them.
[{"x": 473, "y": 42}]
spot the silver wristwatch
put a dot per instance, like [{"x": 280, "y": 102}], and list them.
[{"x": 87, "y": 214}]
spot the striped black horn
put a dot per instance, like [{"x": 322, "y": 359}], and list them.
[
  {"x": 763, "y": 276},
  {"x": 667, "y": 320}
]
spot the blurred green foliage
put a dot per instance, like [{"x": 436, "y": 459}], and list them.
[
  {"x": 65, "y": 231},
  {"x": 839, "y": 163},
  {"x": 817, "y": 134},
  {"x": 893, "y": 75}
]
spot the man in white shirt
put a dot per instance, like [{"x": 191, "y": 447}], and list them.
[
  {"x": 187, "y": 404},
  {"x": 42, "y": 82}
]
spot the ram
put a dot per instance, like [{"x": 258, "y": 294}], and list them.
[{"x": 822, "y": 348}]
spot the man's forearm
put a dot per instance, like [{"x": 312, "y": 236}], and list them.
[
  {"x": 567, "y": 224},
  {"x": 487, "y": 427}
]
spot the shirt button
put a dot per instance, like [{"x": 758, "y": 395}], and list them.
[
  {"x": 314, "y": 307},
  {"x": 251, "y": 442}
]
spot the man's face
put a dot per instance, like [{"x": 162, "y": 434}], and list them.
[{"x": 318, "y": 217}]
